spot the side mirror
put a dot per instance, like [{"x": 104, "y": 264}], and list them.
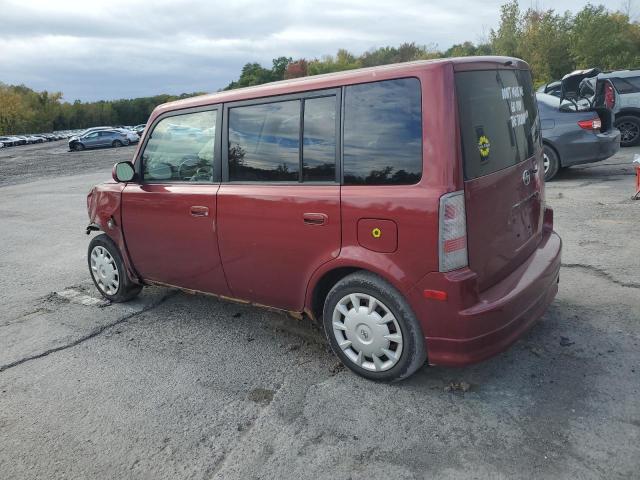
[{"x": 123, "y": 172}]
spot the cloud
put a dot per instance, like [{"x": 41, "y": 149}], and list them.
[{"x": 103, "y": 49}]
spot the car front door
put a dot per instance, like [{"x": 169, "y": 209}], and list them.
[
  {"x": 91, "y": 140},
  {"x": 169, "y": 215},
  {"x": 279, "y": 203}
]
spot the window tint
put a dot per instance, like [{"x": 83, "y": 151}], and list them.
[
  {"x": 627, "y": 85},
  {"x": 383, "y": 133},
  {"x": 319, "y": 140},
  {"x": 181, "y": 149},
  {"x": 264, "y": 142},
  {"x": 498, "y": 119}
]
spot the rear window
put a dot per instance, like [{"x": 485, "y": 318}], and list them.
[{"x": 498, "y": 119}]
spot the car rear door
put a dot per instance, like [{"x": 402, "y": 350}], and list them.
[
  {"x": 105, "y": 138},
  {"x": 279, "y": 203},
  {"x": 503, "y": 174},
  {"x": 169, "y": 215}
]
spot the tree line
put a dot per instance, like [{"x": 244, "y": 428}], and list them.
[
  {"x": 23, "y": 110},
  {"x": 552, "y": 43}
]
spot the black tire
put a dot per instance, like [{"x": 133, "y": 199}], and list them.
[
  {"x": 629, "y": 127},
  {"x": 413, "y": 353},
  {"x": 126, "y": 288},
  {"x": 551, "y": 157},
  {"x": 116, "y": 144},
  {"x": 78, "y": 147}
]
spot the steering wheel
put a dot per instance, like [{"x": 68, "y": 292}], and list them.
[{"x": 188, "y": 165}]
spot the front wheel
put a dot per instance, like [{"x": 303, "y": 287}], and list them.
[
  {"x": 372, "y": 329},
  {"x": 550, "y": 162},
  {"x": 108, "y": 271},
  {"x": 78, "y": 147},
  {"x": 116, "y": 144},
  {"x": 629, "y": 130}
]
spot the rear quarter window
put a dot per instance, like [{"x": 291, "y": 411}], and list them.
[
  {"x": 383, "y": 133},
  {"x": 627, "y": 85},
  {"x": 498, "y": 120}
]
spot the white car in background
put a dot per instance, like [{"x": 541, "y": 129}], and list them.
[{"x": 132, "y": 136}]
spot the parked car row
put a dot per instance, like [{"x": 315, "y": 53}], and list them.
[
  {"x": 79, "y": 139},
  {"x": 13, "y": 140}
]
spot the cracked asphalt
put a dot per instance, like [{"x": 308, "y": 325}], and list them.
[{"x": 173, "y": 385}]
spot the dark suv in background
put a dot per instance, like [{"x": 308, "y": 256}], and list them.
[{"x": 621, "y": 93}]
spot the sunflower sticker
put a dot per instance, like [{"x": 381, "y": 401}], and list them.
[{"x": 484, "y": 146}]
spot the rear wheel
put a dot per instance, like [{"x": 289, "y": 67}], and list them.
[
  {"x": 108, "y": 271},
  {"x": 372, "y": 329},
  {"x": 550, "y": 162},
  {"x": 116, "y": 144},
  {"x": 629, "y": 127}
]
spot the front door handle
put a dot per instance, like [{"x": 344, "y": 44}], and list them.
[
  {"x": 315, "y": 218},
  {"x": 199, "y": 211}
]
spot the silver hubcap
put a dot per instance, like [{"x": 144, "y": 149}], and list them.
[
  {"x": 545, "y": 162},
  {"x": 367, "y": 332},
  {"x": 104, "y": 270}
]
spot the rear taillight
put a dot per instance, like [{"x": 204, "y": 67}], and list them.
[
  {"x": 609, "y": 96},
  {"x": 593, "y": 124},
  {"x": 452, "y": 244}
]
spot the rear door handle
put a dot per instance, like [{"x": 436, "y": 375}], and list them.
[
  {"x": 199, "y": 211},
  {"x": 315, "y": 218}
]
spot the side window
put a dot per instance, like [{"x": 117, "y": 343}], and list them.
[
  {"x": 181, "y": 149},
  {"x": 383, "y": 133},
  {"x": 319, "y": 140},
  {"x": 627, "y": 84},
  {"x": 264, "y": 142}
]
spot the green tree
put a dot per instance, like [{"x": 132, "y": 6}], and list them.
[
  {"x": 505, "y": 41},
  {"x": 600, "y": 38},
  {"x": 544, "y": 43}
]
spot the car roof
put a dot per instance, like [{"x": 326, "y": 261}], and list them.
[
  {"x": 620, "y": 74},
  {"x": 336, "y": 79}
]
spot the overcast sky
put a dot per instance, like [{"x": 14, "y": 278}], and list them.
[{"x": 105, "y": 49}]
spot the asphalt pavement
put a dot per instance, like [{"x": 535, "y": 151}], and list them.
[{"x": 173, "y": 385}]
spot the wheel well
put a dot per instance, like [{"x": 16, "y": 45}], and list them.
[
  {"x": 326, "y": 283},
  {"x": 631, "y": 112},
  {"x": 555, "y": 150}
]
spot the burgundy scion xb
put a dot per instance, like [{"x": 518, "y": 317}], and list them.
[{"x": 402, "y": 205}]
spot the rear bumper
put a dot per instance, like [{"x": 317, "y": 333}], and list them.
[
  {"x": 591, "y": 148},
  {"x": 470, "y": 327}
]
